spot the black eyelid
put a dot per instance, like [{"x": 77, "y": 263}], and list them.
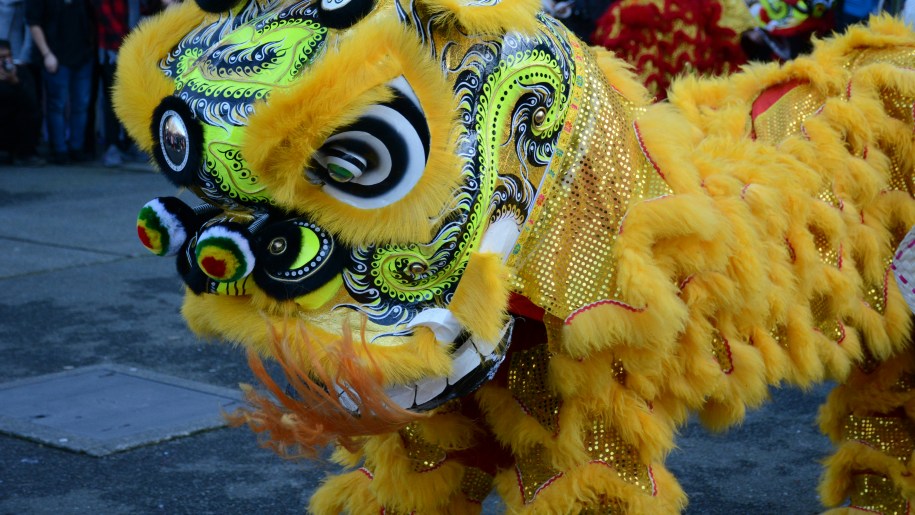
[{"x": 351, "y": 146}]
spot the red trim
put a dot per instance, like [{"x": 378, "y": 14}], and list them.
[
  {"x": 627, "y": 307},
  {"x": 538, "y": 490},
  {"x": 638, "y": 137},
  {"x": 522, "y": 306},
  {"x": 771, "y": 95},
  {"x": 727, "y": 349}
]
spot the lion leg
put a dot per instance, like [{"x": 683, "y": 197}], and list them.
[
  {"x": 581, "y": 441},
  {"x": 871, "y": 419},
  {"x": 427, "y": 467}
]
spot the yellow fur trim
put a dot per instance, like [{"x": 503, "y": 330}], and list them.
[
  {"x": 422, "y": 356},
  {"x": 345, "y": 493},
  {"x": 428, "y": 492},
  {"x": 483, "y": 285},
  {"x": 498, "y": 17},
  {"x": 596, "y": 487},
  {"x": 139, "y": 84},
  {"x": 620, "y": 75},
  {"x": 284, "y": 133}
]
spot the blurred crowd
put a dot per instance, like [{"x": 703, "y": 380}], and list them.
[
  {"x": 57, "y": 57},
  {"x": 57, "y": 62},
  {"x": 662, "y": 39}
]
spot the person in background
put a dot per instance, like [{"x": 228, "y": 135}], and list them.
[
  {"x": 113, "y": 25},
  {"x": 19, "y": 111},
  {"x": 13, "y": 29},
  {"x": 64, "y": 33}
]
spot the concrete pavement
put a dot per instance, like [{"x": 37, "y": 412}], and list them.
[{"x": 77, "y": 289}]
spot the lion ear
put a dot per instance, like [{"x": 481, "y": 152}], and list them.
[{"x": 487, "y": 16}]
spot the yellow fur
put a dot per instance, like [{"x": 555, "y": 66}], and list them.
[
  {"x": 477, "y": 18},
  {"x": 421, "y": 356},
  {"x": 484, "y": 284},
  {"x": 139, "y": 83},
  {"x": 282, "y": 137}
]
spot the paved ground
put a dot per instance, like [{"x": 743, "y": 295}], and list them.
[{"x": 76, "y": 289}]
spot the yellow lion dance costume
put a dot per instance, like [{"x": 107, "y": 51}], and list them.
[{"x": 484, "y": 260}]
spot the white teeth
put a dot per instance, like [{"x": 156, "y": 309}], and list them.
[
  {"x": 471, "y": 356},
  {"x": 484, "y": 348},
  {"x": 346, "y": 400},
  {"x": 440, "y": 321},
  {"x": 487, "y": 349},
  {"x": 465, "y": 360},
  {"x": 427, "y": 390},
  {"x": 403, "y": 396}
]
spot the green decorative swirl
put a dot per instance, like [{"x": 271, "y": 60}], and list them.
[{"x": 450, "y": 251}]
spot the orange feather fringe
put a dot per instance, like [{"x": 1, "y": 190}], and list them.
[{"x": 299, "y": 425}]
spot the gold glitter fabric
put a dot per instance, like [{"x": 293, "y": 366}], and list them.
[
  {"x": 423, "y": 455},
  {"x": 605, "y": 507},
  {"x": 721, "y": 349},
  {"x": 905, "y": 383},
  {"x": 605, "y": 445},
  {"x": 891, "y": 435},
  {"x": 825, "y": 321},
  {"x": 564, "y": 256},
  {"x": 527, "y": 381},
  {"x": 534, "y": 473},
  {"x": 876, "y": 494},
  {"x": 786, "y": 114},
  {"x": 476, "y": 484}
]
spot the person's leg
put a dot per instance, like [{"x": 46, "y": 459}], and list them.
[
  {"x": 7, "y": 17},
  {"x": 113, "y": 144},
  {"x": 7, "y": 112},
  {"x": 112, "y": 126},
  {"x": 79, "y": 89},
  {"x": 57, "y": 86}
]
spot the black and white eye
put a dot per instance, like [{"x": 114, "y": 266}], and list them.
[
  {"x": 342, "y": 14},
  {"x": 379, "y": 158}
]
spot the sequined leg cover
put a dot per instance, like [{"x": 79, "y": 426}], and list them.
[
  {"x": 870, "y": 419},
  {"x": 569, "y": 454},
  {"x": 426, "y": 467}
]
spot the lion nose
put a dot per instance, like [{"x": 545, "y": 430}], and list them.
[{"x": 287, "y": 259}]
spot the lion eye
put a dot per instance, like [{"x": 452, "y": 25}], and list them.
[
  {"x": 379, "y": 158},
  {"x": 341, "y": 164}
]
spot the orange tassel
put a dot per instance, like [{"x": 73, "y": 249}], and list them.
[{"x": 300, "y": 425}]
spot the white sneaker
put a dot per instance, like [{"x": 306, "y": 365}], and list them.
[{"x": 112, "y": 157}]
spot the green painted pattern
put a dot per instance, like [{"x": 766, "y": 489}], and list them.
[
  {"x": 223, "y": 83},
  {"x": 503, "y": 88}
]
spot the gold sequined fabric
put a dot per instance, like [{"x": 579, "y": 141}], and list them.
[
  {"x": 905, "y": 383},
  {"x": 891, "y": 435},
  {"x": 476, "y": 484},
  {"x": 824, "y": 320},
  {"x": 424, "y": 456},
  {"x": 605, "y": 445},
  {"x": 785, "y": 115},
  {"x": 533, "y": 472},
  {"x": 527, "y": 381},
  {"x": 605, "y": 507},
  {"x": 721, "y": 349},
  {"x": 564, "y": 256},
  {"x": 876, "y": 494}
]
